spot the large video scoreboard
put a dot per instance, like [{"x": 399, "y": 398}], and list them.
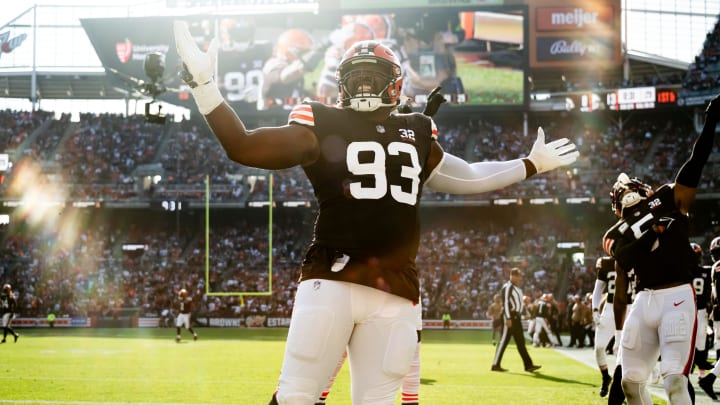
[{"x": 478, "y": 54}]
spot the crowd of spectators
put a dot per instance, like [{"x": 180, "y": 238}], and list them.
[
  {"x": 462, "y": 263},
  {"x": 704, "y": 73},
  {"x": 114, "y": 158},
  {"x": 464, "y": 258},
  {"x": 73, "y": 263}
]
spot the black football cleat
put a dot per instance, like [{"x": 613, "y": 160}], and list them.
[
  {"x": 704, "y": 365},
  {"x": 16, "y": 337},
  {"x": 605, "y": 386},
  {"x": 533, "y": 368},
  {"x": 498, "y": 368},
  {"x": 194, "y": 337},
  {"x": 706, "y": 383}
]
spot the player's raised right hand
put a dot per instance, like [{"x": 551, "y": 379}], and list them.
[{"x": 199, "y": 68}]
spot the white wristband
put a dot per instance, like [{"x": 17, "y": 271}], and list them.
[
  {"x": 207, "y": 97},
  {"x": 618, "y": 337}
]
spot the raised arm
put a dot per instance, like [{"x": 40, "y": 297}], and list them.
[
  {"x": 688, "y": 176},
  {"x": 456, "y": 176},
  {"x": 265, "y": 147}
]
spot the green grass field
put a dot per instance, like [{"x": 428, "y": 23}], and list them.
[
  {"x": 238, "y": 366},
  {"x": 491, "y": 86}
]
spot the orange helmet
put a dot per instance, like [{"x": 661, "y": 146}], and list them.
[
  {"x": 351, "y": 33},
  {"x": 369, "y": 77},
  {"x": 379, "y": 23},
  {"x": 293, "y": 43}
]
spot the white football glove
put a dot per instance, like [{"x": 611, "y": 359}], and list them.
[
  {"x": 618, "y": 339},
  {"x": 596, "y": 318},
  {"x": 549, "y": 156},
  {"x": 199, "y": 68}
]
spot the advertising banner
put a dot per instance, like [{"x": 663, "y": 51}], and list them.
[
  {"x": 575, "y": 34},
  {"x": 573, "y": 49}
]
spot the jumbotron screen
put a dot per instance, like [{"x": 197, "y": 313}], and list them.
[{"x": 272, "y": 62}]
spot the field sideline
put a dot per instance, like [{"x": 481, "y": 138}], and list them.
[{"x": 241, "y": 366}]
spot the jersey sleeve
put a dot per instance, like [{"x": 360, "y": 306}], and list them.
[
  {"x": 610, "y": 238},
  {"x": 302, "y": 114}
]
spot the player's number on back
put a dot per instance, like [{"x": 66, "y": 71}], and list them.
[
  {"x": 638, "y": 225},
  {"x": 377, "y": 168},
  {"x": 611, "y": 276}
]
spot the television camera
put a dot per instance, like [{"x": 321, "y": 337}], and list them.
[{"x": 154, "y": 68}]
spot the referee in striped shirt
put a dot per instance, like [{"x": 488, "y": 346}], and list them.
[{"x": 512, "y": 308}]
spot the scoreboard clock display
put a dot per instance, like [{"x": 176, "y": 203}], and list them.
[
  {"x": 666, "y": 96},
  {"x": 634, "y": 98},
  {"x": 637, "y": 98}
]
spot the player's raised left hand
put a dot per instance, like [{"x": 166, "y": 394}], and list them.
[
  {"x": 712, "y": 112},
  {"x": 548, "y": 156},
  {"x": 434, "y": 100}
]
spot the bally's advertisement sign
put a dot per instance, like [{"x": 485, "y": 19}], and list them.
[
  {"x": 573, "y": 49},
  {"x": 575, "y": 34}
]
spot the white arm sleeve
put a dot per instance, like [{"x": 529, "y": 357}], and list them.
[
  {"x": 456, "y": 176},
  {"x": 597, "y": 293}
]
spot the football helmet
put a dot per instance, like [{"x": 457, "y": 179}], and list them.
[
  {"x": 715, "y": 249},
  {"x": 697, "y": 250},
  {"x": 7, "y": 287},
  {"x": 627, "y": 192},
  {"x": 351, "y": 33},
  {"x": 369, "y": 77},
  {"x": 182, "y": 293},
  {"x": 292, "y": 44},
  {"x": 379, "y": 23}
]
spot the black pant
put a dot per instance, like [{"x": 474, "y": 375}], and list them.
[{"x": 517, "y": 333}]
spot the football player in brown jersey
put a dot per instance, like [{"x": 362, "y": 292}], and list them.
[
  {"x": 359, "y": 284},
  {"x": 652, "y": 238},
  {"x": 8, "y": 306},
  {"x": 184, "y": 312}
]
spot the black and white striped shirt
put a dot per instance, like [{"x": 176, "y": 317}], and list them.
[{"x": 512, "y": 300}]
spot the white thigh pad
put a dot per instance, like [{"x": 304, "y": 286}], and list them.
[
  {"x": 676, "y": 327},
  {"x": 400, "y": 350},
  {"x": 309, "y": 332},
  {"x": 630, "y": 335}
]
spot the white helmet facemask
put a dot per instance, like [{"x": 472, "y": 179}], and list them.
[{"x": 365, "y": 88}]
